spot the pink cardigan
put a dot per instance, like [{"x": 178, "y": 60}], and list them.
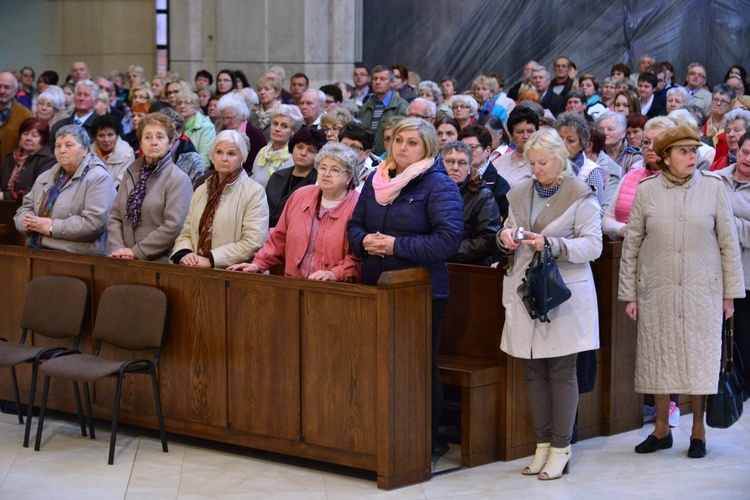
[{"x": 287, "y": 244}]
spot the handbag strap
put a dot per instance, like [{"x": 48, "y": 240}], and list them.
[
  {"x": 545, "y": 273},
  {"x": 727, "y": 340}
]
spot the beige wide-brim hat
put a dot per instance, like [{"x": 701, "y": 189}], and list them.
[{"x": 677, "y": 136}]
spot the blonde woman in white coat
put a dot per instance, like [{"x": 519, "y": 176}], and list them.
[
  {"x": 679, "y": 273},
  {"x": 556, "y": 205}
]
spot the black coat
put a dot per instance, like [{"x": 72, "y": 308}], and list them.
[
  {"x": 481, "y": 224},
  {"x": 35, "y": 165},
  {"x": 553, "y": 102},
  {"x": 499, "y": 187},
  {"x": 279, "y": 189}
]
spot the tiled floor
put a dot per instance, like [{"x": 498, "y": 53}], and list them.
[{"x": 70, "y": 466}]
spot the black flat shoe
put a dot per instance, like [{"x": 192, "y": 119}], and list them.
[
  {"x": 653, "y": 443},
  {"x": 697, "y": 449}
]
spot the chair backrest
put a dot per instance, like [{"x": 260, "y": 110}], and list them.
[
  {"x": 55, "y": 306},
  {"x": 132, "y": 317}
]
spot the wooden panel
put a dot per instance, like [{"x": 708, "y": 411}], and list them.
[
  {"x": 338, "y": 385},
  {"x": 475, "y": 316},
  {"x": 14, "y": 278},
  {"x": 193, "y": 369},
  {"x": 263, "y": 359}
]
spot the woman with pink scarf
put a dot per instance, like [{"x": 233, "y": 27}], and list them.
[{"x": 410, "y": 214}]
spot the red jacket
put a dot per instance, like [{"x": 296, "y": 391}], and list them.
[
  {"x": 722, "y": 152},
  {"x": 288, "y": 242}
]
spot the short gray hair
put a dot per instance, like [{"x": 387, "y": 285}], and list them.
[
  {"x": 278, "y": 70},
  {"x": 618, "y": 118},
  {"x": 679, "y": 90},
  {"x": 342, "y": 154},
  {"x": 539, "y": 68},
  {"x": 679, "y": 116},
  {"x": 609, "y": 79},
  {"x": 431, "y": 87},
  {"x": 79, "y": 134},
  {"x": 431, "y": 107},
  {"x": 251, "y": 96},
  {"x": 723, "y": 89},
  {"x": 318, "y": 93},
  {"x": 233, "y": 102},
  {"x": 88, "y": 83},
  {"x": 577, "y": 123},
  {"x": 468, "y": 100},
  {"x": 55, "y": 95},
  {"x": 737, "y": 114},
  {"x": 457, "y": 146},
  {"x": 292, "y": 112},
  {"x": 240, "y": 140}
]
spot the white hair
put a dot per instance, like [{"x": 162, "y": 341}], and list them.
[
  {"x": 55, "y": 95},
  {"x": 468, "y": 100},
  {"x": 240, "y": 140},
  {"x": 318, "y": 93},
  {"x": 618, "y": 118},
  {"x": 279, "y": 71},
  {"x": 234, "y": 102}
]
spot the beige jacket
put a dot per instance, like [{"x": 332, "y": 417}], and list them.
[
  {"x": 680, "y": 258},
  {"x": 739, "y": 198},
  {"x": 118, "y": 161},
  {"x": 240, "y": 223}
]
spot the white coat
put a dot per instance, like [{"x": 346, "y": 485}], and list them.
[{"x": 572, "y": 221}]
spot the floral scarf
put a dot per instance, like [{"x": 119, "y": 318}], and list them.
[
  {"x": 272, "y": 160},
  {"x": 138, "y": 194}
]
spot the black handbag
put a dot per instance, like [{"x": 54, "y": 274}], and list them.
[
  {"x": 543, "y": 288},
  {"x": 725, "y": 408}
]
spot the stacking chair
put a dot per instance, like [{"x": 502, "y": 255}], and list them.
[
  {"x": 54, "y": 307},
  {"x": 130, "y": 317}
]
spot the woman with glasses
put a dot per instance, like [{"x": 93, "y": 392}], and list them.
[
  {"x": 512, "y": 166},
  {"x": 274, "y": 156},
  {"x": 198, "y": 127},
  {"x": 465, "y": 109},
  {"x": 333, "y": 121},
  {"x": 310, "y": 237},
  {"x": 721, "y": 99},
  {"x": 234, "y": 113},
  {"x": 735, "y": 124},
  {"x": 481, "y": 214}
]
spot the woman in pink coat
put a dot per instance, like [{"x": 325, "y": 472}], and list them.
[{"x": 310, "y": 237}]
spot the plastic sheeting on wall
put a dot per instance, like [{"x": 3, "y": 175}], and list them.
[{"x": 464, "y": 38}]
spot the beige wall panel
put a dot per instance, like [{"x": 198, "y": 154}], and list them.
[
  {"x": 287, "y": 32},
  {"x": 128, "y": 27},
  {"x": 241, "y": 31}
]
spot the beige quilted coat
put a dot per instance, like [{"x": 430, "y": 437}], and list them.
[{"x": 679, "y": 259}]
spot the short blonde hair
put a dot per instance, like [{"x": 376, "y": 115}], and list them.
[
  {"x": 426, "y": 132},
  {"x": 338, "y": 115},
  {"x": 548, "y": 143},
  {"x": 274, "y": 83}
]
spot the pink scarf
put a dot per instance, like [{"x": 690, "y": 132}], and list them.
[{"x": 387, "y": 189}]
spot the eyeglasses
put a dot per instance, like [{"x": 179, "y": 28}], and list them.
[
  {"x": 461, "y": 163},
  {"x": 189, "y": 103},
  {"x": 461, "y": 106},
  {"x": 721, "y": 102},
  {"x": 424, "y": 117},
  {"x": 697, "y": 73},
  {"x": 226, "y": 119},
  {"x": 335, "y": 129},
  {"x": 356, "y": 147},
  {"x": 334, "y": 171},
  {"x": 646, "y": 144}
]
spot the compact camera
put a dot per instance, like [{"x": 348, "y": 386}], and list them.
[{"x": 518, "y": 235}]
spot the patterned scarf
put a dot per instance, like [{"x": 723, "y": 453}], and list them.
[
  {"x": 19, "y": 159},
  {"x": 577, "y": 162},
  {"x": 387, "y": 189},
  {"x": 731, "y": 158},
  {"x": 215, "y": 189},
  {"x": 48, "y": 203},
  {"x": 136, "y": 196},
  {"x": 264, "y": 117},
  {"x": 272, "y": 160},
  {"x": 544, "y": 192}
]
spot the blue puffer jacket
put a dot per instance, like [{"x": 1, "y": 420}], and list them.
[{"x": 426, "y": 219}]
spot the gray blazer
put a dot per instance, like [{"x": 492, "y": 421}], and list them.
[{"x": 81, "y": 211}]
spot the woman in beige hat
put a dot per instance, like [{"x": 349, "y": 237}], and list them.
[{"x": 679, "y": 274}]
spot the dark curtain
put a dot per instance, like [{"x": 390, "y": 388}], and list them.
[{"x": 463, "y": 38}]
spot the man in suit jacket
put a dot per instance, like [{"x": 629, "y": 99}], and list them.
[
  {"x": 83, "y": 102},
  {"x": 540, "y": 80},
  {"x": 696, "y": 82}
]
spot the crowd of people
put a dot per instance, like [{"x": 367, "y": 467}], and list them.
[{"x": 388, "y": 171}]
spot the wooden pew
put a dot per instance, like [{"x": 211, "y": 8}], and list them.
[
  {"x": 327, "y": 371},
  {"x": 494, "y": 417}
]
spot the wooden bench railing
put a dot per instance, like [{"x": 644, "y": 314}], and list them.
[
  {"x": 328, "y": 371},
  {"x": 494, "y": 417}
]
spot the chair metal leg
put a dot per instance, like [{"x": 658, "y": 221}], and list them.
[
  {"x": 159, "y": 415},
  {"x": 79, "y": 409},
  {"x": 42, "y": 409},
  {"x": 15, "y": 393},
  {"x": 115, "y": 417},
  {"x": 87, "y": 397},
  {"x": 30, "y": 409}
]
